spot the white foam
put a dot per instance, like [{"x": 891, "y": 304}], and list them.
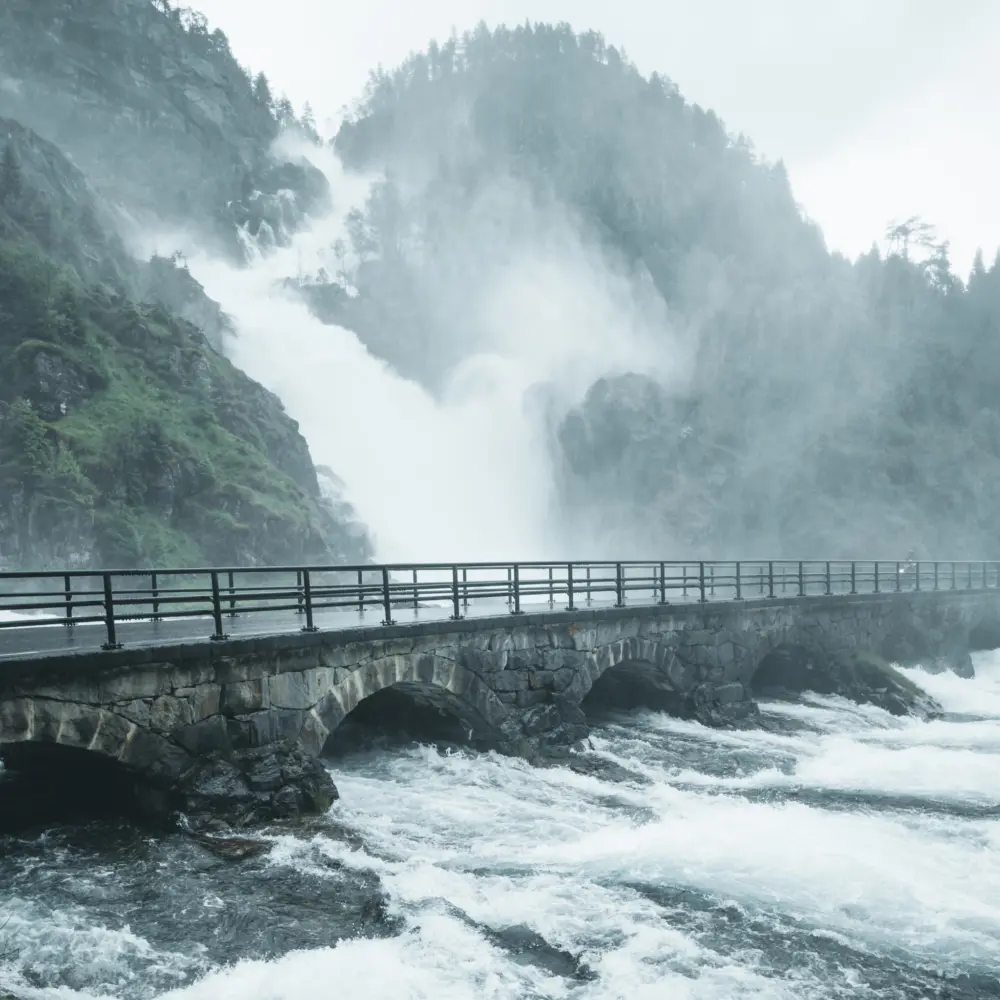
[
  {"x": 69, "y": 946},
  {"x": 979, "y": 696},
  {"x": 441, "y": 961},
  {"x": 551, "y": 850}
]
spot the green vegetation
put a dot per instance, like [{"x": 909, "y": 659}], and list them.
[{"x": 125, "y": 438}]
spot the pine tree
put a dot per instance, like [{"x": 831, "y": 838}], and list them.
[{"x": 262, "y": 91}]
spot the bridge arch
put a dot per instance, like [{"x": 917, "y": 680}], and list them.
[
  {"x": 633, "y": 673},
  {"x": 429, "y": 682},
  {"x": 63, "y": 759},
  {"x": 792, "y": 660},
  {"x": 64, "y": 723}
]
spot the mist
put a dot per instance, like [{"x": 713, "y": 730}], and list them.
[
  {"x": 459, "y": 464},
  {"x": 504, "y": 347}
]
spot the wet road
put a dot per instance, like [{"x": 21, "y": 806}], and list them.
[{"x": 44, "y": 639}]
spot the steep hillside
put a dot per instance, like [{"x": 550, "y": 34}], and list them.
[
  {"x": 157, "y": 112},
  {"x": 797, "y": 403},
  {"x": 125, "y": 438}
]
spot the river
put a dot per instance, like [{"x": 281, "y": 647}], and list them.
[{"x": 834, "y": 852}]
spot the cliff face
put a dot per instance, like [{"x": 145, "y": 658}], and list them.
[
  {"x": 156, "y": 111},
  {"x": 125, "y": 437}
]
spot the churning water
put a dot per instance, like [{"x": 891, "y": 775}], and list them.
[{"x": 837, "y": 852}]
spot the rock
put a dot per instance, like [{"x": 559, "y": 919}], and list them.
[
  {"x": 860, "y": 676},
  {"x": 234, "y": 848},
  {"x": 604, "y": 769},
  {"x": 868, "y": 679},
  {"x": 719, "y": 707},
  {"x": 254, "y": 786}
]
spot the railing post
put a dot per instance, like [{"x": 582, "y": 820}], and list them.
[
  {"x": 156, "y": 595},
  {"x": 663, "y": 583},
  {"x": 829, "y": 588},
  {"x": 589, "y": 597},
  {"x": 217, "y": 609},
  {"x": 899, "y": 579},
  {"x": 876, "y": 576},
  {"x": 711, "y": 574},
  {"x": 854, "y": 577},
  {"x": 510, "y": 591},
  {"x": 465, "y": 588},
  {"x": 456, "y": 614},
  {"x": 619, "y": 586},
  {"x": 68, "y": 590},
  {"x": 109, "y": 615},
  {"x": 917, "y": 582},
  {"x": 936, "y": 575},
  {"x": 802, "y": 582},
  {"x": 552, "y": 593},
  {"x": 361, "y": 591},
  {"x": 968, "y": 585},
  {"x": 415, "y": 604},
  {"x": 517, "y": 590},
  {"x": 685, "y": 579},
  {"x": 232, "y": 595},
  {"x": 298, "y": 592},
  {"x": 307, "y": 592},
  {"x": 569, "y": 586},
  {"x": 739, "y": 593},
  {"x": 386, "y": 597},
  {"x": 701, "y": 582},
  {"x": 954, "y": 582},
  {"x": 770, "y": 579}
]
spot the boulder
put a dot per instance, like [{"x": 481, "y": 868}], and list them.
[{"x": 246, "y": 788}]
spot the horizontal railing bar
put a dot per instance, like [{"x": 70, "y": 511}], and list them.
[
  {"x": 38, "y": 622},
  {"x": 446, "y": 567}
]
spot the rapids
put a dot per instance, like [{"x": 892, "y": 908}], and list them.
[{"x": 836, "y": 852}]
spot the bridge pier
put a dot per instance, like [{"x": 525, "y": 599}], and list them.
[{"x": 235, "y": 728}]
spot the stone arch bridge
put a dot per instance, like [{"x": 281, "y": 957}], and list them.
[{"x": 234, "y": 726}]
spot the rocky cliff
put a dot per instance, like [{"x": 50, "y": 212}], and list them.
[
  {"x": 157, "y": 112},
  {"x": 125, "y": 437}
]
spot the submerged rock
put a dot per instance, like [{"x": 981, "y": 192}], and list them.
[{"x": 234, "y": 848}]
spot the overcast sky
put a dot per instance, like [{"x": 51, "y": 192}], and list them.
[{"x": 880, "y": 108}]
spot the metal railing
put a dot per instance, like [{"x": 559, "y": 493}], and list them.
[{"x": 114, "y": 597}]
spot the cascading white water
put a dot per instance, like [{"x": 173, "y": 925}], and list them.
[{"x": 463, "y": 475}]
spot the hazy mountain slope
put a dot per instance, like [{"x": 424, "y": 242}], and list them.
[
  {"x": 125, "y": 438},
  {"x": 799, "y": 403},
  {"x": 156, "y": 110}
]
